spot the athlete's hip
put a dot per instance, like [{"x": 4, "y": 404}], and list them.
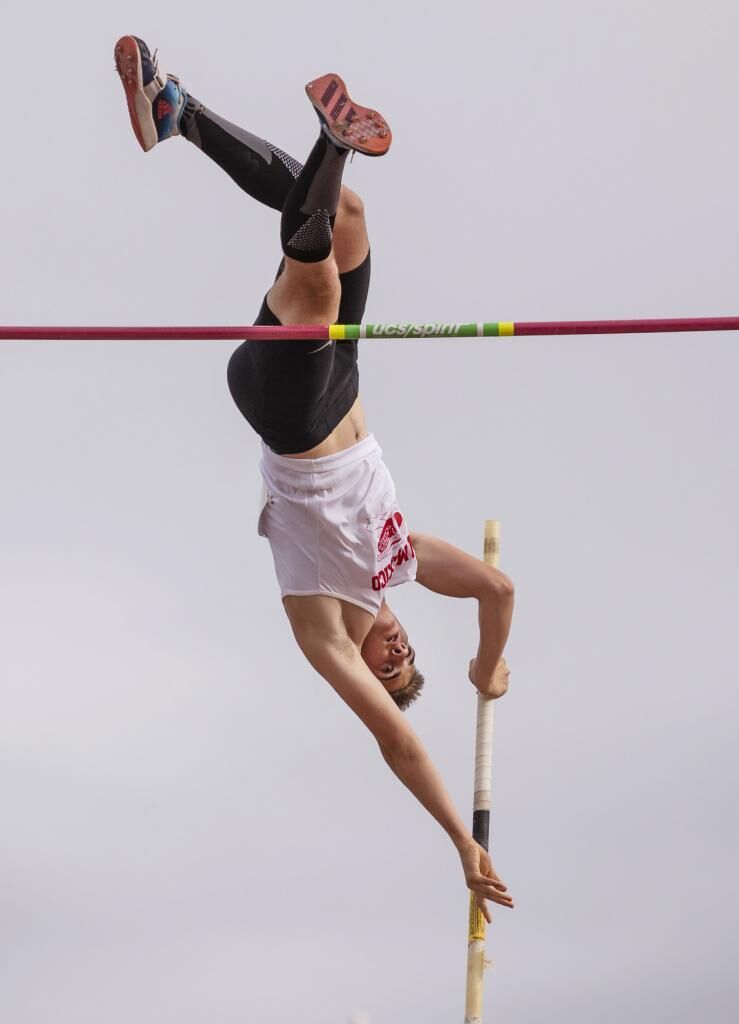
[{"x": 348, "y": 432}]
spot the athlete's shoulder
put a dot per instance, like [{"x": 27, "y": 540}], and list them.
[{"x": 323, "y": 619}]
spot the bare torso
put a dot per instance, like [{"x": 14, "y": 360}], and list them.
[{"x": 358, "y": 622}]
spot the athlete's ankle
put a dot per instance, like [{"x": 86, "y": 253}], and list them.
[{"x": 188, "y": 124}]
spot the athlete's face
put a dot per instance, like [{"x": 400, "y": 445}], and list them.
[{"x": 387, "y": 651}]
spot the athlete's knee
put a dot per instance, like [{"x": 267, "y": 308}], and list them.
[{"x": 350, "y": 205}]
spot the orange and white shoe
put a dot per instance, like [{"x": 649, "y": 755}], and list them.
[
  {"x": 155, "y": 100},
  {"x": 344, "y": 121}
]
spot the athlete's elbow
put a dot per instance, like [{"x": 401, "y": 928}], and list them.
[{"x": 500, "y": 587}]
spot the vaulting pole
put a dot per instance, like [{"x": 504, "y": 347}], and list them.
[
  {"x": 481, "y": 814},
  {"x": 341, "y": 332}
]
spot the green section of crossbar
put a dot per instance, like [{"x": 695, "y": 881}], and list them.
[{"x": 340, "y": 332}]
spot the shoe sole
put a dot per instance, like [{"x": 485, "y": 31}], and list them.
[
  {"x": 347, "y": 123},
  {"x": 128, "y": 65}
]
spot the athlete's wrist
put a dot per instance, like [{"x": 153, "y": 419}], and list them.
[{"x": 462, "y": 839}]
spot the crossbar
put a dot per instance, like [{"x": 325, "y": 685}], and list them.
[{"x": 340, "y": 332}]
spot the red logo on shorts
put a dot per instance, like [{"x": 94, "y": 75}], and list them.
[
  {"x": 398, "y": 558},
  {"x": 389, "y": 532}
]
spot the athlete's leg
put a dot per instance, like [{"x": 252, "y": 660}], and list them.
[
  {"x": 351, "y": 240},
  {"x": 295, "y": 394},
  {"x": 261, "y": 169},
  {"x": 268, "y": 173},
  {"x": 309, "y": 290},
  {"x": 161, "y": 108}
]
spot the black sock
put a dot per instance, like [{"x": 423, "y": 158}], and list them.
[
  {"x": 259, "y": 168},
  {"x": 310, "y": 209}
]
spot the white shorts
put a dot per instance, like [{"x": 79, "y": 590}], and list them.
[{"x": 334, "y": 525}]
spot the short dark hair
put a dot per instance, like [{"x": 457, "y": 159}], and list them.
[{"x": 405, "y": 697}]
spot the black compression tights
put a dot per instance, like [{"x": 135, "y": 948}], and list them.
[{"x": 307, "y": 196}]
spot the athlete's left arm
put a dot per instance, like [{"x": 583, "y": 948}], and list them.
[{"x": 448, "y": 570}]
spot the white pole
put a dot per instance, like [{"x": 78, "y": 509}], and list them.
[{"x": 481, "y": 814}]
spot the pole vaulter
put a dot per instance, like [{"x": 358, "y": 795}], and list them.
[
  {"x": 329, "y": 509},
  {"x": 320, "y": 465}
]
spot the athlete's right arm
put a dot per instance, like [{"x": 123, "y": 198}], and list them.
[{"x": 338, "y": 660}]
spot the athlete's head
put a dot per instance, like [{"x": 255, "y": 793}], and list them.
[{"x": 387, "y": 651}]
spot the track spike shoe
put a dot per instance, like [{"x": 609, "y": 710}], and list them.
[
  {"x": 155, "y": 100},
  {"x": 344, "y": 121}
]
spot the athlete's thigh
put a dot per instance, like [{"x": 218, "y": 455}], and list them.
[{"x": 279, "y": 382}]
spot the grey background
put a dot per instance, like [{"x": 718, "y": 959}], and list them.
[{"x": 193, "y": 826}]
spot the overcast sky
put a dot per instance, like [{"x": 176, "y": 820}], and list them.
[{"x": 194, "y": 828}]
